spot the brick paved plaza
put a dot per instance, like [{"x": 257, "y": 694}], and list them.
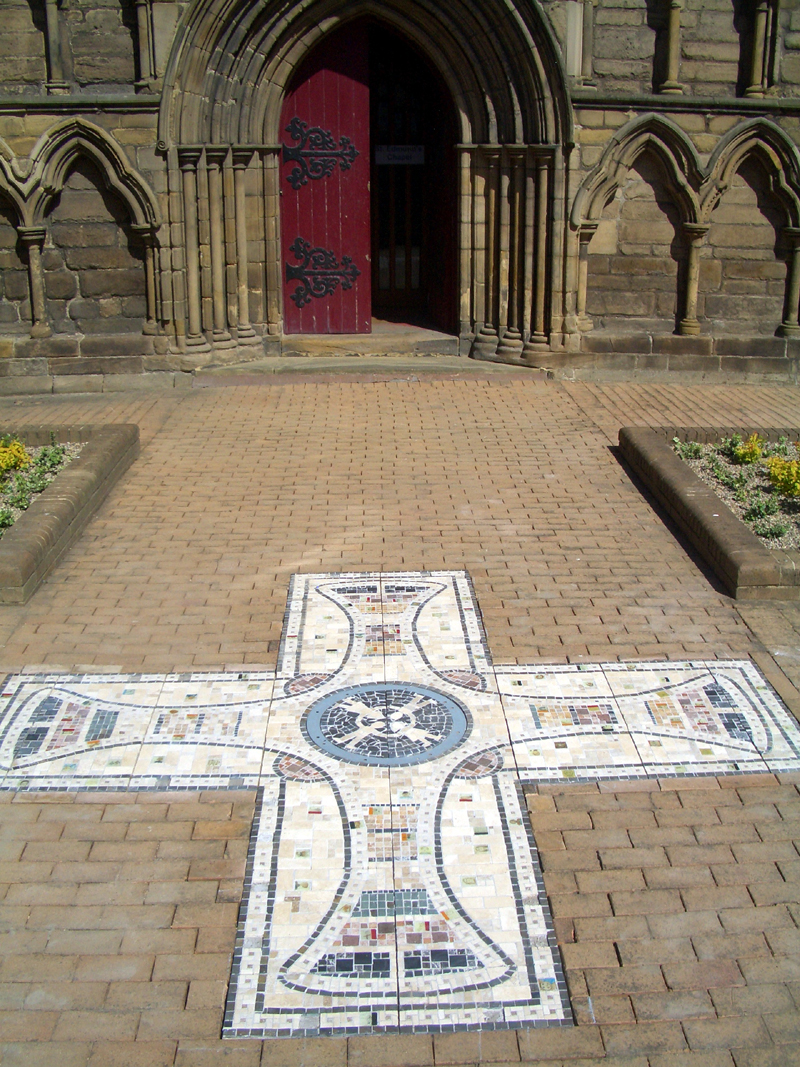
[{"x": 676, "y": 902}]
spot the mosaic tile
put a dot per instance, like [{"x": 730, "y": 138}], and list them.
[{"x": 393, "y": 881}]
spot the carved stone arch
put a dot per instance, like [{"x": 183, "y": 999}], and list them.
[
  {"x": 57, "y": 150},
  {"x": 667, "y": 142},
  {"x": 232, "y": 61},
  {"x": 773, "y": 148},
  {"x": 231, "y": 66},
  {"x": 677, "y": 159}
]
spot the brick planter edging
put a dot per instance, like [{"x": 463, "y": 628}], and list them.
[
  {"x": 32, "y": 547},
  {"x": 745, "y": 566}
]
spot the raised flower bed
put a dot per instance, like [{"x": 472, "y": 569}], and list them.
[
  {"x": 56, "y": 517},
  {"x": 747, "y": 567}
]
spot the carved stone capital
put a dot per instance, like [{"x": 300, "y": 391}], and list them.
[{"x": 189, "y": 156}]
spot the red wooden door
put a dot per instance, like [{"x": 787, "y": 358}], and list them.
[{"x": 324, "y": 182}]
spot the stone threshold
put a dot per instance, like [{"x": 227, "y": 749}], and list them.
[
  {"x": 747, "y": 569},
  {"x": 32, "y": 547}
]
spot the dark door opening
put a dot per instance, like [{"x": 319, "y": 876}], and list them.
[
  {"x": 412, "y": 182},
  {"x": 367, "y": 187}
]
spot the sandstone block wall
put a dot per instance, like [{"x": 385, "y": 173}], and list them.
[{"x": 677, "y": 211}]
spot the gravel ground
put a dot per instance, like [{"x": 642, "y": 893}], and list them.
[
  {"x": 71, "y": 451},
  {"x": 753, "y": 484}
]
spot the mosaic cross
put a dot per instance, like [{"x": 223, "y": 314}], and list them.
[{"x": 392, "y": 881}]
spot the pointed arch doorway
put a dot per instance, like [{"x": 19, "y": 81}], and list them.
[{"x": 367, "y": 188}]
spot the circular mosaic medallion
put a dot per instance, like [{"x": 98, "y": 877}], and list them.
[{"x": 387, "y": 724}]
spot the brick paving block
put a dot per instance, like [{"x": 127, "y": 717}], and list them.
[
  {"x": 64, "y": 996},
  {"x": 588, "y": 954},
  {"x": 579, "y": 904},
  {"x": 633, "y": 857},
  {"x": 575, "y": 860},
  {"x": 753, "y": 1000},
  {"x": 651, "y": 902},
  {"x": 160, "y": 1025},
  {"x": 687, "y": 855},
  {"x": 655, "y": 950},
  {"x": 498, "y": 1046},
  {"x": 644, "y": 1037},
  {"x": 560, "y": 1043},
  {"x": 703, "y": 974},
  {"x": 625, "y": 980},
  {"x": 765, "y": 852},
  {"x": 83, "y": 941},
  {"x": 677, "y": 877},
  {"x": 131, "y": 1054},
  {"x": 199, "y": 892},
  {"x": 212, "y": 1053},
  {"x": 208, "y": 966},
  {"x": 305, "y": 1052},
  {"x": 87, "y": 1025},
  {"x": 205, "y": 993},
  {"x": 748, "y": 920},
  {"x": 598, "y": 1010},
  {"x": 215, "y": 939},
  {"x": 561, "y": 882},
  {"x": 147, "y": 811},
  {"x": 743, "y": 1032},
  {"x": 631, "y": 811},
  {"x": 197, "y": 915},
  {"x": 615, "y": 928},
  {"x": 46, "y": 1054},
  {"x": 158, "y": 942},
  {"x": 707, "y": 899},
  {"x": 629, "y": 879},
  {"x": 690, "y": 1058},
  {"x": 653, "y": 836},
  {"x": 211, "y": 830},
  {"x": 684, "y": 924},
  {"x": 746, "y": 873},
  {"x": 138, "y": 996},
  {"x": 784, "y": 1027},
  {"x": 390, "y": 1050},
  {"x": 689, "y": 1004},
  {"x": 766, "y": 1057},
  {"x": 114, "y": 968}
]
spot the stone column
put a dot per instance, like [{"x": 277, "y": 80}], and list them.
[
  {"x": 55, "y": 62},
  {"x": 188, "y": 158},
  {"x": 695, "y": 232},
  {"x": 465, "y": 252},
  {"x": 587, "y": 53},
  {"x": 538, "y": 337},
  {"x": 486, "y": 339},
  {"x": 147, "y": 234},
  {"x": 585, "y": 235},
  {"x": 274, "y": 267},
  {"x": 757, "y": 61},
  {"x": 790, "y": 327},
  {"x": 33, "y": 239},
  {"x": 215, "y": 155},
  {"x": 144, "y": 39},
  {"x": 241, "y": 158},
  {"x": 672, "y": 85},
  {"x": 511, "y": 340}
]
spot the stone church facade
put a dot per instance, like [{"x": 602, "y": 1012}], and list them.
[{"x": 601, "y": 186}]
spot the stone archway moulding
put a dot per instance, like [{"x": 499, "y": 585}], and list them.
[
  {"x": 230, "y": 67},
  {"x": 232, "y": 61}
]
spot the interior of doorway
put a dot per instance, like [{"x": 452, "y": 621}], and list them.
[{"x": 413, "y": 188}]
